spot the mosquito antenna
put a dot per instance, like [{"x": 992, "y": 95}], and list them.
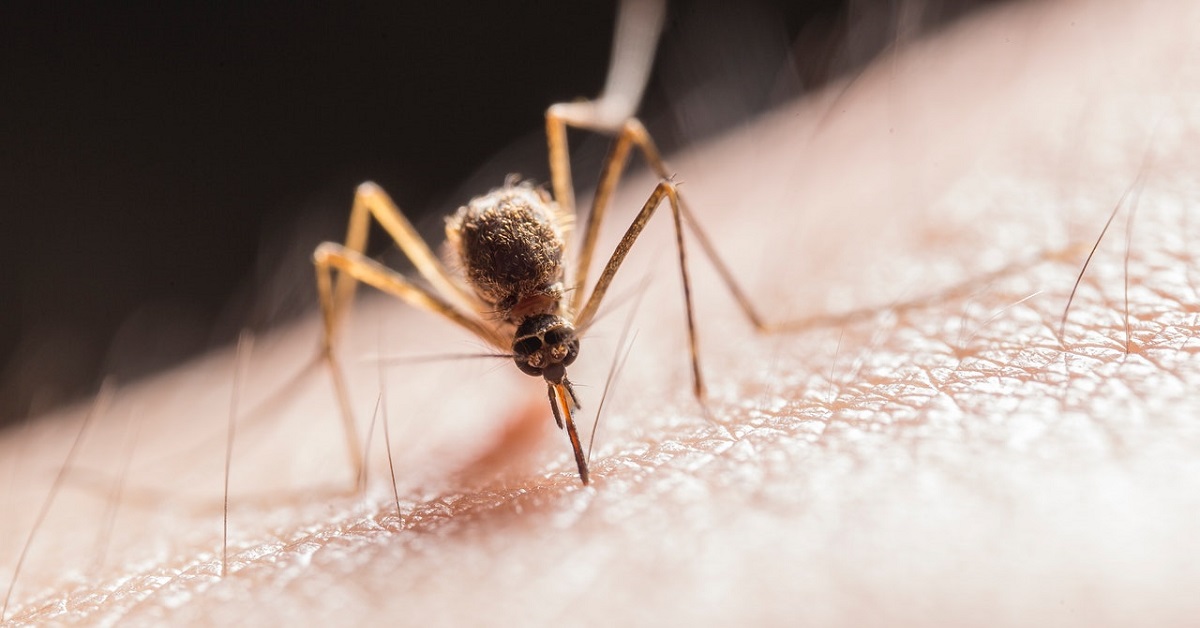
[
  {"x": 103, "y": 399},
  {"x": 240, "y": 360}
]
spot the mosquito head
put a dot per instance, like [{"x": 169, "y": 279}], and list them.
[{"x": 545, "y": 345}]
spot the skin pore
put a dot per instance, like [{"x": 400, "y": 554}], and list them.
[{"x": 946, "y": 458}]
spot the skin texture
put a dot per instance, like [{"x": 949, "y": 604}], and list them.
[{"x": 945, "y": 458}]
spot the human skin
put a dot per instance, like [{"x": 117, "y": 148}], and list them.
[{"x": 947, "y": 457}]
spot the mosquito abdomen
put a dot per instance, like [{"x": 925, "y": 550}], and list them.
[{"x": 509, "y": 245}]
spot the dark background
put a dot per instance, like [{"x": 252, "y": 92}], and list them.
[{"x": 165, "y": 171}]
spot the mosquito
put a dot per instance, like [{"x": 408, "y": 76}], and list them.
[{"x": 516, "y": 289}]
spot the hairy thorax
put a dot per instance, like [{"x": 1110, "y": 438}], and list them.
[{"x": 509, "y": 244}]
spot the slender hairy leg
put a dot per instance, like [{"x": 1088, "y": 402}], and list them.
[
  {"x": 361, "y": 268},
  {"x": 634, "y": 42},
  {"x": 370, "y": 200},
  {"x": 354, "y": 267},
  {"x": 634, "y": 132},
  {"x": 447, "y": 297},
  {"x": 631, "y": 132},
  {"x": 665, "y": 189}
]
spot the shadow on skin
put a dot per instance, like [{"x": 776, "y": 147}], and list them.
[{"x": 938, "y": 463}]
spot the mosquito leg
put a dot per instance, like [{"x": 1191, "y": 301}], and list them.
[
  {"x": 614, "y": 166},
  {"x": 329, "y": 256},
  {"x": 355, "y": 266},
  {"x": 346, "y": 410},
  {"x": 371, "y": 201},
  {"x": 633, "y": 54},
  {"x": 634, "y": 41},
  {"x": 629, "y": 133},
  {"x": 664, "y": 190},
  {"x": 560, "y": 159},
  {"x": 634, "y": 133},
  {"x": 641, "y": 138},
  {"x": 731, "y": 283}
]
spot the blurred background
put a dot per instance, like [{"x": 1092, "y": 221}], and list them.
[{"x": 165, "y": 171}]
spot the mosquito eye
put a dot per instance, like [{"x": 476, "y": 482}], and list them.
[
  {"x": 553, "y": 337},
  {"x": 572, "y": 353},
  {"x": 526, "y": 346}
]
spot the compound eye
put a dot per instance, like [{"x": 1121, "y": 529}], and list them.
[
  {"x": 553, "y": 337},
  {"x": 526, "y": 346},
  {"x": 526, "y": 368},
  {"x": 572, "y": 353}
]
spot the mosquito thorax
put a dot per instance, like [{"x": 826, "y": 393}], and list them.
[{"x": 545, "y": 345}]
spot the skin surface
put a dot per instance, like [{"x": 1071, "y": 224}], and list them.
[{"x": 946, "y": 458}]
